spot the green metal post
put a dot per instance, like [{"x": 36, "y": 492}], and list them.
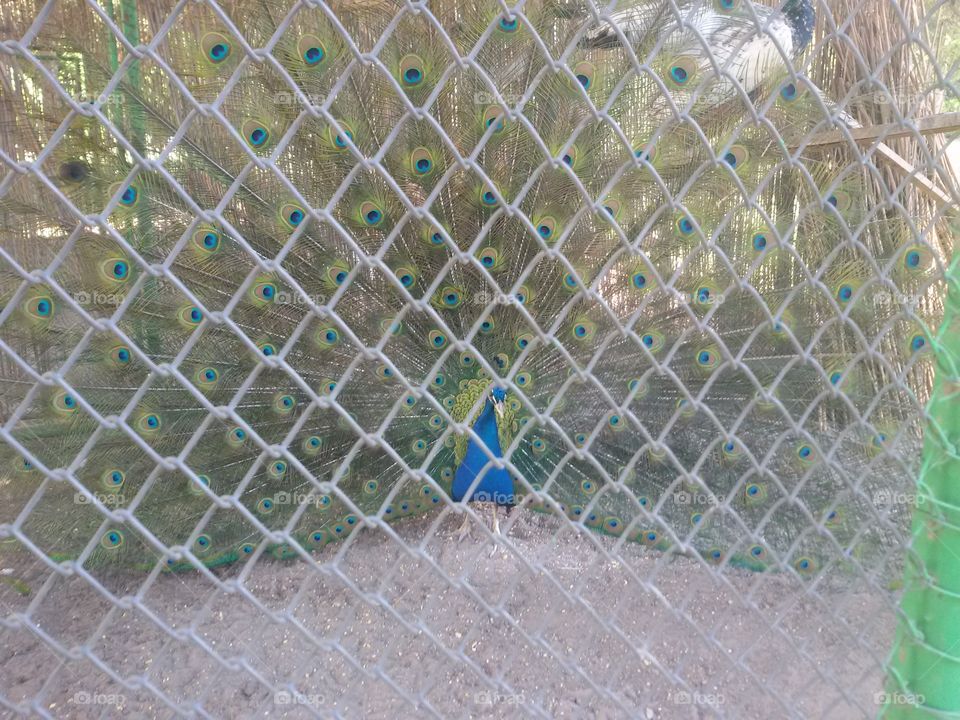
[{"x": 924, "y": 668}]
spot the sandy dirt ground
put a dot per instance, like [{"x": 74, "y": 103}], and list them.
[{"x": 561, "y": 625}]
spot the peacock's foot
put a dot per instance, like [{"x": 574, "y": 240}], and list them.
[{"x": 464, "y": 529}]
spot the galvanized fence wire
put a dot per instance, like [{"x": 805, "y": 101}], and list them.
[{"x": 590, "y": 613}]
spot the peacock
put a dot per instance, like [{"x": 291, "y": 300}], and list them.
[{"x": 276, "y": 272}]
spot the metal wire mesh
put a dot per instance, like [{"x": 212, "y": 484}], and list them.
[{"x": 401, "y": 620}]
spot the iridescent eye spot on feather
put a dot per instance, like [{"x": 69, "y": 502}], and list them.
[
  {"x": 727, "y": 5},
  {"x": 255, "y": 133},
  {"x": 466, "y": 360},
  {"x": 268, "y": 349},
  {"x": 216, "y": 47},
  {"x": 571, "y": 156},
  {"x": 129, "y": 196},
  {"x": 754, "y": 493},
  {"x": 120, "y": 356},
  {"x": 73, "y": 171},
  {"x": 708, "y": 359},
  {"x": 588, "y": 487},
  {"x": 918, "y": 343},
  {"x": 236, "y": 437},
  {"x": 113, "y": 479},
  {"x": 523, "y": 340},
  {"x": 435, "y": 422},
  {"x": 612, "y": 207},
  {"x": 339, "y": 140},
  {"x": 440, "y": 380},
  {"x": 370, "y": 214},
  {"x": 538, "y": 445},
  {"x": 844, "y": 293},
  {"x": 789, "y": 92},
  {"x": 806, "y": 454},
  {"x": 40, "y": 307},
  {"x": 292, "y": 215},
  {"x": 833, "y": 519},
  {"x": 436, "y": 339},
  {"x": 570, "y": 282},
  {"x": 312, "y": 445},
  {"x": 487, "y": 326},
  {"x": 421, "y": 161},
  {"x": 696, "y": 518},
  {"x": 682, "y": 71},
  {"x": 653, "y": 341},
  {"x": 311, "y": 50},
  {"x": 638, "y": 387},
  {"x": 206, "y": 241},
  {"x": 546, "y": 227},
  {"x": 805, "y": 566},
  {"x": 327, "y": 337},
  {"x": 639, "y": 280},
  {"x": 419, "y": 446},
  {"x": 149, "y": 424},
  {"x": 685, "y": 226},
  {"x": 264, "y": 292},
  {"x": 190, "y": 316},
  {"x": 207, "y": 377},
  {"x": 494, "y": 115},
  {"x": 757, "y": 552},
  {"x": 613, "y": 525},
  {"x": 195, "y": 487},
  {"x": 370, "y": 487},
  {"x": 736, "y": 156},
  {"x": 384, "y": 372},
  {"x": 490, "y": 258},
  {"x": 585, "y": 73},
  {"x": 202, "y": 544},
  {"x": 759, "y": 242},
  {"x": 265, "y": 506},
  {"x": 412, "y": 70},
  {"x": 615, "y": 421},
  {"x": 115, "y": 269},
  {"x": 450, "y": 297},
  {"x": 715, "y": 555},
  {"x": 111, "y": 540},
  {"x": 508, "y": 24},
  {"x": 523, "y": 379},
  {"x": 917, "y": 258},
  {"x": 840, "y": 200},
  {"x": 580, "y": 439},
  {"x": 584, "y": 331},
  {"x": 284, "y": 404},
  {"x": 522, "y": 296},
  {"x": 488, "y": 198},
  {"x": 277, "y": 469}
]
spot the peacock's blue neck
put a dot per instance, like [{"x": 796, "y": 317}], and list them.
[
  {"x": 801, "y": 16},
  {"x": 496, "y": 485}
]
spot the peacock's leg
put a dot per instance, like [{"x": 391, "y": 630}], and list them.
[
  {"x": 464, "y": 528},
  {"x": 496, "y": 531}
]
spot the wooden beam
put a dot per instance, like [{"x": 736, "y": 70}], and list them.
[
  {"x": 931, "y": 125},
  {"x": 923, "y": 183}
]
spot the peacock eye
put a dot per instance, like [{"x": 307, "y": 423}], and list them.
[
  {"x": 311, "y": 50},
  {"x": 788, "y": 92},
  {"x": 412, "y": 70},
  {"x": 129, "y": 196},
  {"x": 216, "y": 47},
  {"x": 508, "y": 25}
]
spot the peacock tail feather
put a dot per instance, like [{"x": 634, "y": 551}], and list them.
[{"x": 255, "y": 294}]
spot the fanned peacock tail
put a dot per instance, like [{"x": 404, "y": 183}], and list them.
[{"x": 245, "y": 294}]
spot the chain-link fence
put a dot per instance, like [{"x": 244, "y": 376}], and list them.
[{"x": 283, "y": 283}]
